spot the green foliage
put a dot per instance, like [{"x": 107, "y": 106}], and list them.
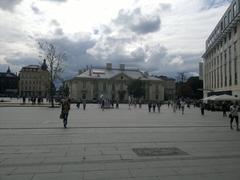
[{"x": 136, "y": 88}]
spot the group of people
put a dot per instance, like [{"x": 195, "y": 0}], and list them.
[
  {"x": 33, "y": 100},
  {"x": 84, "y": 103},
  {"x": 154, "y": 106}
]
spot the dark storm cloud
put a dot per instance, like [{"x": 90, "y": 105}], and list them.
[
  {"x": 9, "y": 4},
  {"x": 76, "y": 53},
  {"x": 138, "y": 22},
  {"x": 21, "y": 60},
  {"x": 4, "y": 67}
]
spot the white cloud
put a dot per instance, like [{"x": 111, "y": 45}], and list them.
[
  {"x": 176, "y": 61},
  {"x": 156, "y": 35}
]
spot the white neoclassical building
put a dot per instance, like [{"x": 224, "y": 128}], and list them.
[
  {"x": 222, "y": 56},
  {"x": 113, "y": 83}
]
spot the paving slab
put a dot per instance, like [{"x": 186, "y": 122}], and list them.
[{"x": 100, "y": 145}]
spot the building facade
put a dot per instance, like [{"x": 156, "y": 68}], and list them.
[
  {"x": 112, "y": 83},
  {"x": 34, "y": 81},
  {"x": 222, "y": 55},
  {"x": 169, "y": 87},
  {"x": 8, "y": 83}
]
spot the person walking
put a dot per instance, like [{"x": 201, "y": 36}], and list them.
[
  {"x": 159, "y": 106},
  {"x": 102, "y": 104},
  {"x": 65, "y": 111},
  {"x": 202, "y": 108},
  {"x": 224, "y": 109},
  {"x": 149, "y": 106},
  {"x": 129, "y": 102},
  {"x": 84, "y": 104},
  {"x": 174, "y": 106},
  {"x": 117, "y": 103},
  {"x": 234, "y": 115},
  {"x": 182, "y": 106},
  {"x": 154, "y": 106}
]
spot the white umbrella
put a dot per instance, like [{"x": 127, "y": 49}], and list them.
[
  {"x": 210, "y": 98},
  {"x": 225, "y": 97}
]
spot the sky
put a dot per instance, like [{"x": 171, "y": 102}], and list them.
[{"x": 159, "y": 36}]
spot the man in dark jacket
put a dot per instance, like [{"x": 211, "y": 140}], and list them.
[{"x": 65, "y": 111}]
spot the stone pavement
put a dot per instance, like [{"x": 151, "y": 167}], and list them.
[{"x": 102, "y": 145}]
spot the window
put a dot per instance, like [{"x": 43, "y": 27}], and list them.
[
  {"x": 230, "y": 53},
  {"x": 234, "y": 9},
  {"x": 84, "y": 84},
  {"x": 230, "y": 67},
  {"x": 225, "y": 21},
  {"x": 225, "y": 68},
  {"x": 113, "y": 87},
  {"x": 84, "y": 96},
  {"x": 235, "y": 30},
  {"x": 229, "y": 16},
  {"x": 235, "y": 49},
  {"x": 235, "y": 71},
  {"x": 104, "y": 86}
]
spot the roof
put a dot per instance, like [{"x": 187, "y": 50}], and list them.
[
  {"x": 102, "y": 73},
  {"x": 10, "y": 75},
  {"x": 31, "y": 67}
]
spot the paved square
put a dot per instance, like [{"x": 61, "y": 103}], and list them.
[{"x": 99, "y": 144}]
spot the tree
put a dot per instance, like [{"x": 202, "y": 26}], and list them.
[
  {"x": 54, "y": 61},
  {"x": 181, "y": 78},
  {"x": 136, "y": 88}
]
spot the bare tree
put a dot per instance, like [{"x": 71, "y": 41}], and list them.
[
  {"x": 181, "y": 78},
  {"x": 54, "y": 61}
]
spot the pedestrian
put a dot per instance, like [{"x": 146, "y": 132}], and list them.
[
  {"x": 140, "y": 103},
  {"x": 129, "y": 102},
  {"x": 102, "y": 104},
  {"x": 234, "y": 115},
  {"x": 117, "y": 103},
  {"x": 84, "y": 104},
  {"x": 174, "y": 106},
  {"x": 24, "y": 99},
  {"x": 159, "y": 106},
  {"x": 154, "y": 106},
  {"x": 224, "y": 109},
  {"x": 202, "y": 108},
  {"x": 65, "y": 111},
  {"x": 78, "y": 105},
  {"x": 149, "y": 106},
  {"x": 182, "y": 106}
]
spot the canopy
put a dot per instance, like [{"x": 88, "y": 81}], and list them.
[
  {"x": 210, "y": 98},
  {"x": 225, "y": 97}
]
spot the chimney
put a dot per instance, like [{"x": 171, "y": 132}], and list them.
[
  {"x": 122, "y": 67},
  {"x": 109, "y": 66},
  {"x": 90, "y": 71},
  {"x": 80, "y": 71}
]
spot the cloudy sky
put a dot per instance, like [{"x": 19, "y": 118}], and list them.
[{"x": 158, "y": 36}]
